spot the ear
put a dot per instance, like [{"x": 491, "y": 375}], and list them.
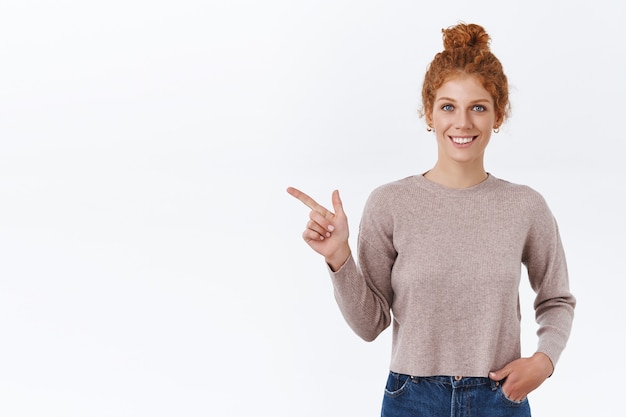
[
  {"x": 428, "y": 116},
  {"x": 498, "y": 123}
]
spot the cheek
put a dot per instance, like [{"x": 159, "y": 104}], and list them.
[
  {"x": 488, "y": 123},
  {"x": 443, "y": 119}
]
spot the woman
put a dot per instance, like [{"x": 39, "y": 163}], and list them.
[{"x": 439, "y": 257}]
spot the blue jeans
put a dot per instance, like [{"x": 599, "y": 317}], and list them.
[{"x": 448, "y": 396}]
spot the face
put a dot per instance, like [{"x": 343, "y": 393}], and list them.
[{"x": 462, "y": 117}]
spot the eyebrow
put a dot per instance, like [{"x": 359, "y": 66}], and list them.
[{"x": 473, "y": 101}]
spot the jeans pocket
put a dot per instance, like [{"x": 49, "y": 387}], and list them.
[
  {"x": 509, "y": 401},
  {"x": 397, "y": 384}
]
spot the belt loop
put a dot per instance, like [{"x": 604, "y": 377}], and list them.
[{"x": 494, "y": 384}]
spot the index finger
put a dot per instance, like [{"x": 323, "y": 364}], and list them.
[{"x": 309, "y": 202}]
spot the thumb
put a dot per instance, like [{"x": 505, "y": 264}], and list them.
[
  {"x": 499, "y": 375},
  {"x": 337, "y": 204}
]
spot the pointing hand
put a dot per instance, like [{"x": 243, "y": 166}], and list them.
[{"x": 326, "y": 232}]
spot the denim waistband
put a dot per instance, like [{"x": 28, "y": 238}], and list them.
[{"x": 457, "y": 381}]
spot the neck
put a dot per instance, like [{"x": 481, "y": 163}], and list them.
[{"x": 457, "y": 176}]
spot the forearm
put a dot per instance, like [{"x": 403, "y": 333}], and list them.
[{"x": 364, "y": 306}]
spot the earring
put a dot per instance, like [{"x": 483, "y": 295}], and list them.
[
  {"x": 496, "y": 130},
  {"x": 429, "y": 129}
]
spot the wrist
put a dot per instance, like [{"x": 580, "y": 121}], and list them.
[
  {"x": 338, "y": 259},
  {"x": 544, "y": 362}
]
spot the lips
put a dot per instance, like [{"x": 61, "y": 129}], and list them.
[{"x": 462, "y": 140}]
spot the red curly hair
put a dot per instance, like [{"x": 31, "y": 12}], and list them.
[{"x": 466, "y": 53}]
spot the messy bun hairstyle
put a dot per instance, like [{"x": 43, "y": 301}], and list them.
[{"x": 466, "y": 52}]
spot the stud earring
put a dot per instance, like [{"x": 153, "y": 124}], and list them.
[
  {"x": 496, "y": 130},
  {"x": 429, "y": 129}
]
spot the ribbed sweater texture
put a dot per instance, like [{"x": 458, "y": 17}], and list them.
[{"x": 443, "y": 267}]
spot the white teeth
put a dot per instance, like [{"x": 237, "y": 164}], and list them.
[{"x": 461, "y": 141}]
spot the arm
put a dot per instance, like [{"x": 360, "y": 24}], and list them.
[
  {"x": 363, "y": 292},
  {"x": 363, "y": 289},
  {"x": 554, "y": 305}
]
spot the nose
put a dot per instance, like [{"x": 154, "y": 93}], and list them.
[{"x": 463, "y": 120}]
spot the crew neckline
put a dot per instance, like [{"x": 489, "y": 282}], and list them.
[{"x": 442, "y": 189}]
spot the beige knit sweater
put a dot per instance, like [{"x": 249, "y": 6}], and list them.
[{"x": 443, "y": 266}]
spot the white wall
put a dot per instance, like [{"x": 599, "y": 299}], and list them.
[{"x": 150, "y": 259}]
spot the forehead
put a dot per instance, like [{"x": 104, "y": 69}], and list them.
[{"x": 463, "y": 88}]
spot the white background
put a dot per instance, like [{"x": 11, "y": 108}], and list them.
[{"x": 150, "y": 259}]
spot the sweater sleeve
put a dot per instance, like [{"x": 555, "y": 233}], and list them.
[
  {"x": 554, "y": 304},
  {"x": 363, "y": 290}
]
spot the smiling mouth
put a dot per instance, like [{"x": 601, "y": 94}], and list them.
[{"x": 462, "y": 140}]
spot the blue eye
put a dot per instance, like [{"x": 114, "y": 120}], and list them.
[
  {"x": 447, "y": 107},
  {"x": 479, "y": 108}
]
